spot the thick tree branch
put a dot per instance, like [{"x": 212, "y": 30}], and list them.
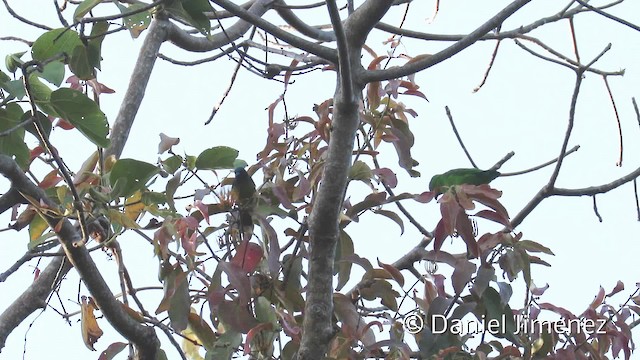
[
  {"x": 142, "y": 336},
  {"x": 156, "y": 35},
  {"x": 344, "y": 64},
  {"x": 295, "y": 22},
  {"x": 414, "y": 67},
  {"x": 598, "y": 189},
  {"x": 188, "y": 42},
  {"x": 313, "y": 48},
  {"x": 359, "y": 24}
]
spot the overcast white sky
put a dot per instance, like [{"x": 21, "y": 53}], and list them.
[{"x": 523, "y": 108}]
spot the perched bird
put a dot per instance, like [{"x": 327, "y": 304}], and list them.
[
  {"x": 439, "y": 183},
  {"x": 243, "y": 191}
]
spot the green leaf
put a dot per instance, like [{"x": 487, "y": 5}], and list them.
[
  {"x": 13, "y": 61},
  {"x": 393, "y": 216},
  {"x": 180, "y": 303},
  {"x": 218, "y": 157},
  {"x": 133, "y": 174},
  {"x": 53, "y": 72},
  {"x": 36, "y": 228},
  {"x": 532, "y": 246},
  {"x": 4, "y": 78},
  {"x": 172, "y": 164},
  {"x": 84, "y": 8},
  {"x": 112, "y": 350},
  {"x": 225, "y": 346},
  {"x": 42, "y": 95},
  {"x": 203, "y": 331},
  {"x": 343, "y": 251},
  {"x": 192, "y": 11},
  {"x": 136, "y": 23},
  {"x": 98, "y": 32},
  {"x": 80, "y": 65},
  {"x": 55, "y": 42},
  {"x": 44, "y": 123},
  {"x": 83, "y": 113},
  {"x": 13, "y": 143},
  {"x": 360, "y": 171},
  {"x": 15, "y": 88}
]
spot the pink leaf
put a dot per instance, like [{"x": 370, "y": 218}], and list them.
[{"x": 386, "y": 176}]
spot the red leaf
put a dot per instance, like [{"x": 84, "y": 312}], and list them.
[
  {"x": 465, "y": 230},
  {"x": 493, "y": 216},
  {"x": 64, "y": 124},
  {"x": 236, "y": 315},
  {"x": 393, "y": 271},
  {"x": 303, "y": 189},
  {"x": 35, "y": 152},
  {"x": 439, "y": 235},
  {"x": 99, "y": 88},
  {"x": 253, "y": 332},
  {"x": 387, "y": 176},
  {"x": 425, "y": 197},
  {"x": 598, "y": 300},
  {"x": 619, "y": 287},
  {"x": 248, "y": 256},
  {"x": 449, "y": 208},
  {"x": 238, "y": 279},
  {"x": 112, "y": 350},
  {"x": 204, "y": 210},
  {"x": 281, "y": 193},
  {"x": 74, "y": 83},
  {"x": 558, "y": 310},
  {"x": 51, "y": 179},
  {"x": 462, "y": 275}
]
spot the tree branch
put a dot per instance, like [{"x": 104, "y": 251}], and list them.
[
  {"x": 142, "y": 336},
  {"x": 344, "y": 64},
  {"x": 598, "y": 189},
  {"x": 305, "y": 29},
  {"x": 256, "y": 20},
  {"x": 414, "y": 67},
  {"x": 156, "y": 35}
]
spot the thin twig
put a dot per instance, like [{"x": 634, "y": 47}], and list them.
[
  {"x": 615, "y": 111},
  {"x": 23, "y": 19},
  {"x": 501, "y": 162},
  {"x": 595, "y": 208},
  {"x": 609, "y": 16},
  {"x": 566, "y": 58},
  {"x": 538, "y": 167},
  {"x": 574, "y": 39},
  {"x": 455, "y": 131},
  {"x": 486, "y": 74},
  {"x": 635, "y": 193},
  {"x": 217, "y": 106}
]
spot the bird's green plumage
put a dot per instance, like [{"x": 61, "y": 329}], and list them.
[
  {"x": 244, "y": 193},
  {"x": 461, "y": 176}
]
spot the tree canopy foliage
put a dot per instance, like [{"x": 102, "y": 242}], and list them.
[{"x": 262, "y": 261}]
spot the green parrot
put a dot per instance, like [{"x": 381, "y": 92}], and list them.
[
  {"x": 243, "y": 191},
  {"x": 440, "y": 182}
]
